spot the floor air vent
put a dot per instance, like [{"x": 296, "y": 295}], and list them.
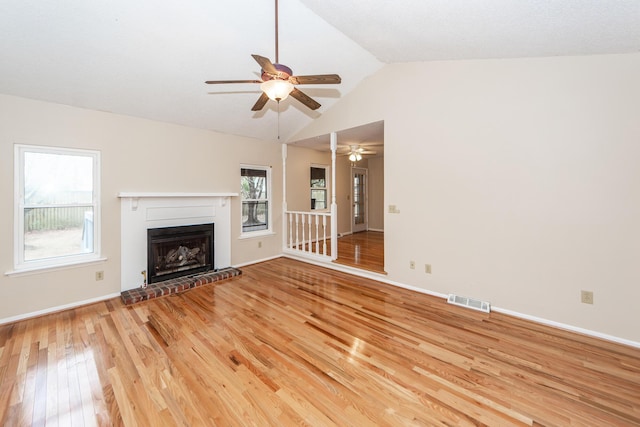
[{"x": 475, "y": 304}]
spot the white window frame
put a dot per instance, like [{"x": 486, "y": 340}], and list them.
[
  {"x": 269, "y": 229},
  {"x": 327, "y": 176},
  {"x": 20, "y": 265}
]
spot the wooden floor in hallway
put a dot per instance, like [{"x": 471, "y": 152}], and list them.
[
  {"x": 289, "y": 343},
  {"x": 363, "y": 250}
]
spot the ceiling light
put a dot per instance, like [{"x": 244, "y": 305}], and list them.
[
  {"x": 355, "y": 156},
  {"x": 277, "y": 90}
]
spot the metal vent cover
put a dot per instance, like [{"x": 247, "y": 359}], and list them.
[{"x": 472, "y": 303}]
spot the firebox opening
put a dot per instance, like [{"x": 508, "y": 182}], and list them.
[{"x": 179, "y": 251}]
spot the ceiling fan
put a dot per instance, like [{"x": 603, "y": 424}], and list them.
[
  {"x": 278, "y": 82},
  {"x": 355, "y": 152}
]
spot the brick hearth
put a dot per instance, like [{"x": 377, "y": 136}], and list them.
[{"x": 179, "y": 284}]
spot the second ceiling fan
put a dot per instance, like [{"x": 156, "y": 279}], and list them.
[{"x": 278, "y": 82}]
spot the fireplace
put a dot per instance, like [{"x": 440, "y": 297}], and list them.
[{"x": 179, "y": 251}]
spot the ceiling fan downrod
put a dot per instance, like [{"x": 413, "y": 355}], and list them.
[{"x": 277, "y": 55}]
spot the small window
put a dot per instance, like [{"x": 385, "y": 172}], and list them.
[
  {"x": 57, "y": 206},
  {"x": 255, "y": 191},
  {"x": 318, "y": 187}
]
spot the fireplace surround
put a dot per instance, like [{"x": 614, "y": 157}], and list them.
[
  {"x": 141, "y": 211},
  {"x": 179, "y": 251}
]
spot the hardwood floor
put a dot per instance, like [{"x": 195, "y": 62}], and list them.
[
  {"x": 363, "y": 250},
  {"x": 294, "y": 344}
]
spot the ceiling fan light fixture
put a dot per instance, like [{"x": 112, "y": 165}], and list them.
[
  {"x": 355, "y": 157},
  {"x": 277, "y": 90}
]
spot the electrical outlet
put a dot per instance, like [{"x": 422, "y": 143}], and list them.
[
  {"x": 392, "y": 208},
  {"x": 259, "y": 244},
  {"x": 427, "y": 268},
  {"x": 412, "y": 265},
  {"x": 586, "y": 297},
  {"x": 99, "y": 275}
]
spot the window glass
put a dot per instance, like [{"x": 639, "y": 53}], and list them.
[
  {"x": 318, "y": 187},
  {"x": 58, "y": 205},
  {"x": 255, "y": 199}
]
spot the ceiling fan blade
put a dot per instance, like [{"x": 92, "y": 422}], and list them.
[
  {"x": 318, "y": 79},
  {"x": 304, "y": 98},
  {"x": 265, "y": 64},
  {"x": 260, "y": 103},
  {"x": 218, "y": 82}
]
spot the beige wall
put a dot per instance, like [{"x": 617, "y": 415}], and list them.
[
  {"x": 137, "y": 155},
  {"x": 376, "y": 193},
  {"x": 343, "y": 194},
  {"x": 517, "y": 180},
  {"x": 299, "y": 161}
]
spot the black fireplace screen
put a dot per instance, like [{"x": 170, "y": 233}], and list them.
[{"x": 179, "y": 251}]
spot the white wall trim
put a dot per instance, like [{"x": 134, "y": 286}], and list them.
[
  {"x": 52, "y": 310},
  {"x": 566, "y": 327},
  {"x": 382, "y": 278},
  {"x": 356, "y": 272},
  {"x": 257, "y": 261},
  {"x": 46, "y": 269}
]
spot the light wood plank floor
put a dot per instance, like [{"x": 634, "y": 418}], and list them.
[
  {"x": 293, "y": 344},
  {"x": 363, "y": 250}
]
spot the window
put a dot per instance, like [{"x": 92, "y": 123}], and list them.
[
  {"x": 318, "y": 187},
  {"x": 57, "y": 216},
  {"x": 255, "y": 189}
]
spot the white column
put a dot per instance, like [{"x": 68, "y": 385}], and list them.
[
  {"x": 284, "y": 196},
  {"x": 334, "y": 205}
]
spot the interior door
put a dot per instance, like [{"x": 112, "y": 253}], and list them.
[{"x": 359, "y": 196}]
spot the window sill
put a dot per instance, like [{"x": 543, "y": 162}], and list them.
[
  {"x": 45, "y": 269},
  {"x": 255, "y": 234}
]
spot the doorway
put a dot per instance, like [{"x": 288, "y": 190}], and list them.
[{"x": 357, "y": 189}]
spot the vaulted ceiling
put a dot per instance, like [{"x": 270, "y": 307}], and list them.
[{"x": 150, "y": 59}]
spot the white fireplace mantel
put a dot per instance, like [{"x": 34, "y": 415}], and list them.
[
  {"x": 144, "y": 210},
  {"x": 133, "y": 195}
]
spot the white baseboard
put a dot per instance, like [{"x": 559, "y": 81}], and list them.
[
  {"x": 356, "y": 272},
  {"x": 566, "y": 327},
  {"x": 382, "y": 278},
  {"x": 57, "y": 308},
  {"x": 257, "y": 261},
  {"x": 377, "y": 230}
]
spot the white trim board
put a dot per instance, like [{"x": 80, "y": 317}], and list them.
[
  {"x": 382, "y": 278},
  {"x": 56, "y": 309}
]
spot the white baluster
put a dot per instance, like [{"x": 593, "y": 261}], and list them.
[
  {"x": 324, "y": 234},
  {"x": 290, "y": 218},
  {"x": 297, "y": 228},
  {"x": 317, "y": 235},
  {"x": 303, "y": 222}
]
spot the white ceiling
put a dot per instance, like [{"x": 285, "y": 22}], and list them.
[
  {"x": 369, "y": 136},
  {"x": 426, "y": 30},
  {"x": 150, "y": 58}
]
